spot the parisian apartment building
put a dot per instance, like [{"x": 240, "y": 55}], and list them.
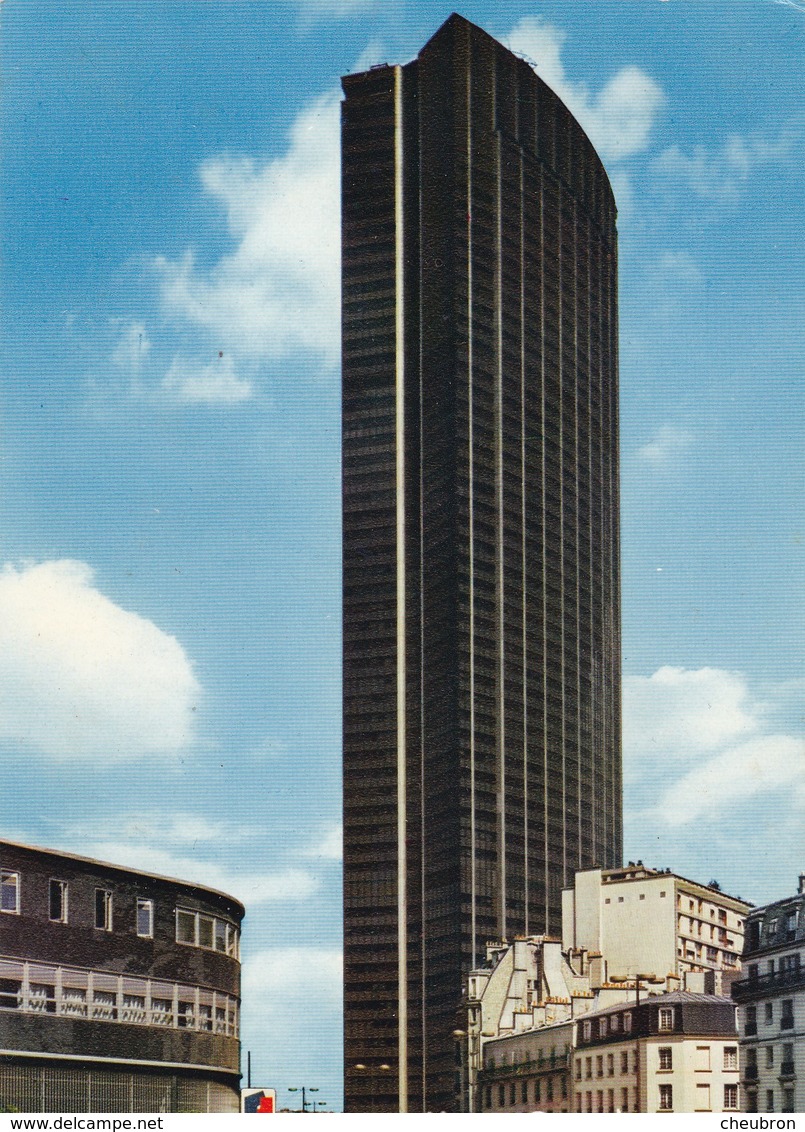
[
  {"x": 770, "y": 997},
  {"x": 684, "y": 927},
  {"x": 119, "y": 989},
  {"x": 536, "y": 1002},
  {"x": 672, "y": 1052}
]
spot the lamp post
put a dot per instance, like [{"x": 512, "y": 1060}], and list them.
[
  {"x": 372, "y": 1072},
  {"x": 467, "y": 1083},
  {"x": 304, "y": 1090},
  {"x": 638, "y": 979}
]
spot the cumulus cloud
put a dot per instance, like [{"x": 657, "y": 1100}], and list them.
[
  {"x": 680, "y": 713},
  {"x": 700, "y": 742},
  {"x": 763, "y": 765},
  {"x": 667, "y": 443},
  {"x": 133, "y": 347},
  {"x": 676, "y": 266},
  {"x": 337, "y": 8},
  {"x": 673, "y": 281},
  {"x": 286, "y": 975},
  {"x": 217, "y": 382},
  {"x": 252, "y": 887},
  {"x": 719, "y": 175},
  {"x": 168, "y": 828},
  {"x": 619, "y": 117},
  {"x": 278, "y": 291},
  {"x": 329, "y": 847},
  {"x": 81, "y": 678}
]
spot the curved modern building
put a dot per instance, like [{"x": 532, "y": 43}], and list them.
[
  {"x": 119, "y": 990},
  {"x": 480, "y": 534}
]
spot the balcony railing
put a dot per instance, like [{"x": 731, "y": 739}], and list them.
[
  {"x": 750, "y": 1072},
  {"x": 526, "y": 1068},
  {"x": 744, "y": 990},
  {"x": 787, "y": 1069},
  {"x": 101, "y": 996}
]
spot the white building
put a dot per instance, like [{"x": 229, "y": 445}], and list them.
[
  {"x": 675, "y": 1052},
  {"x": 644, "y": 921},
  {"x": 528, "y": 1071},
  {"x": 771, "y": 1007},
  {"x": 525, "y": 986}
]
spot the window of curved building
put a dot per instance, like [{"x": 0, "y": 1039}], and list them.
[
  {"x": 9, "y": 892},
  {"x": 145, "y": 918},
  {"x": 103, "y": 909},
  {"x": 209, "y": 932},
  {"x": 57, "y": 901}
]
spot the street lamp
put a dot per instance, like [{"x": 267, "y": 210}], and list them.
[
  {"x": 304, "y": 1091},
  {"x": 649, "y": 980},
  {"x": 467, "y": 1075},
  {"x": 372, "y": 1071}
]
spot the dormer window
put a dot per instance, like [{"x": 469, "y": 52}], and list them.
[{"x": 665, "y": 1017}]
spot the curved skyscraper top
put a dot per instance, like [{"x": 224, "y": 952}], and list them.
[{"x": 480, "y": 496}]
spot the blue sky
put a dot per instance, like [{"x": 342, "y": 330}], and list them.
[{"x": 169, "y": 443}]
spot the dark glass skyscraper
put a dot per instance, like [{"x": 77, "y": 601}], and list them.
[{"x": 481, "y": 592}]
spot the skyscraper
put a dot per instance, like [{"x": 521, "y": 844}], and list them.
[{"x": 480, "y": 510}]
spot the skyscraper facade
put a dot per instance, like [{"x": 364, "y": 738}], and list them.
[{"x": 480, "y": 520}]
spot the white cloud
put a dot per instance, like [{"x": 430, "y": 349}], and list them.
[
  {"x": 295, "y": 993},
  {"x": 720, "y": 175},
  {"x": 621, "y": 184},
  {"x": 337, "y": 8},
  {"x": 81, "y": 678},
  {"x": 675, "y": 266},
  {"x": 679, "y": 714},
  {"x": 666, "y": 444},
  {"x": 160, "y": 827},
  {"x": 189, "y": 382},
  {"x": 329, "y": 847},
  {"x": 278, "y": 291},
  {"x": 760, "y": 766},
  {"x": 619, "y": 117},
  {"x": 673, "y": 282},
  {"x": 280, "y": 977},
  {"x": 132, "y": 348},
  {"x": 373, "y": 54},
  {"x": 698, "y": 743},
  {"x": 251, "y": 887}
]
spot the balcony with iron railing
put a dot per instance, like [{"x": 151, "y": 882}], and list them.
[
  {"x": 760, "y": 986},
  {"x": 528, "y": 1067},
  {"x": 787, "y": 1070}
]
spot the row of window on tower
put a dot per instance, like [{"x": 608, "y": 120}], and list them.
[{"x": 195, "y": 928}]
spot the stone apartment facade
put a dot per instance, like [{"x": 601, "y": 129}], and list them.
[
  {"x": 674, "y": 1052},
  {"x": 644, "y": 920},
  {"x": 771, "y": 1006}
]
